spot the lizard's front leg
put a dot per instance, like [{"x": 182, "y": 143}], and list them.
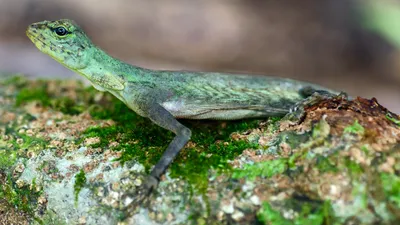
[
  {"x": 164, "y": 119},
  {"x": 160, "y": 116}
]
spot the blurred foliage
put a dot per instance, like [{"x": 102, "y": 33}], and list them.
[{"x": 383, "y": 17}]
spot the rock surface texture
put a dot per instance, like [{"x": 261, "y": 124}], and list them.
[{"x": 72, "y": 155}]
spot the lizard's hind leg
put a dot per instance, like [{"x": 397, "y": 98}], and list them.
[{"x": 311, "y": 96}]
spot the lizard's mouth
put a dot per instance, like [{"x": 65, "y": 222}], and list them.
[
  {"x": 32, "y": 34},
  {"x": 41, "y": 42},
  {"x": 32, "y": 31}
]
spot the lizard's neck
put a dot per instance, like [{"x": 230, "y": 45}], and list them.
[{"x": 99, "y": 63}]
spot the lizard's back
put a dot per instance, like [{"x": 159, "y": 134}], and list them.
[{"x": 231, "y": 96}]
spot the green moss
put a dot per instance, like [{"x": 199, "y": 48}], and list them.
[
  {"x": 365, "y": 149},
  {"x": 144, "y": 141},
  {"x": 38, "y": 91},
  {"x": 214, "y": 147},
  {"x": 391, "y": 187},
  {"x": 321, "y": 130},
  {"x": 292, "y": 138},
  {"x": 23, "y": 198},
  {"x": 309, "y": 214},
  {"x": 193, "y": 164},
  {"x": 354, "y": 169},
  {"x": 323, "y": 214},
  {"x": 15, "y": 148},
  {"x": 17, "y": 81},
  {"x": 67, "y": 106},
  {"x": 138, "y": 137},
  {"x": 29, "y": 142},
  {"x": 39, "y": 94},
  {"x": 50, "y": 217},
  {"x": 267, "y": 215},
  {"x": 273, "y": 123},
  {"x": 7, "y": 159},
  {"x": 324, "y": 165},
  {"x": 355, "y": 128},
  {"x": 80, "y": 182},
  {"x": 360, "y": 192},
  {"x": 48, "y": 166},
  {"x": 294, "y": 158},
  {"x": 262, "y": 169},
  {"x": 391, "y": 118}
]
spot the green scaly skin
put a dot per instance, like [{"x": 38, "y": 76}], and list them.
[{"x": 163, "y": 96}]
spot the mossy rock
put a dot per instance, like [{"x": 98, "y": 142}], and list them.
[{"x": 72, "y": 155}]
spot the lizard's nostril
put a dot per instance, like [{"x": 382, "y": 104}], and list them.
[{"x": 32, "y": 30}]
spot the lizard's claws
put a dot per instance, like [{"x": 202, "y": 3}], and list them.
[{"x": 140, "y": 196}]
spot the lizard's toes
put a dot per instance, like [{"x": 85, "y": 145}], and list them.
[
  {"x": 139, "y": 196},
  {"x": 297, "y": 113}
]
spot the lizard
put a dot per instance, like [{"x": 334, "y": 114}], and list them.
[{"x": 165, "y": 96}]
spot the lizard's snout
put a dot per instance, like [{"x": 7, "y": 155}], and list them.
[
  {"x": 32, "y": 30},
  {"x": 34, "y": 25}
]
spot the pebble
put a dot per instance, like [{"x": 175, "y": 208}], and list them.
[
  {"x": 220, "y": 215},
  {"x": 20, "y": 183},
  {"x": 170, "y": 217},
  {"x": 113, "y": 195},
  {"x": 152, "y": 215},
  {"x": 6, "y": 137},
  {"x": 19, "y": 168},
  {"x": 100, "y": 192},
  {"x": 91, "y": 141},
  {"x": 49, "y": 122},
  {"x": 255, "y": 200},
  {"x": 159, "y": 217},
  {"x": 237, "y": 216},
  {"x": 30, "y": 132},
  {"x": 137, "y": 182},
  {"x": 42, "y": 200},
  {"x": 228, "y": 208},
  {"x": 82, "y": 220},
  {"x": 128, "y": 201},
  {"x": 31, "y": 154},
  {"x": 115, "y": 186}
]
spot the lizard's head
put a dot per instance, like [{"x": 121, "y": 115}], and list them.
[{"x": 63, "y": 40}]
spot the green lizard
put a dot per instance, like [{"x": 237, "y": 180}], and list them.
[{"x": 164, "y": 96}]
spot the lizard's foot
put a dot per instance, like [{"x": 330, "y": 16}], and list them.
[
  {"x": 140, "y": 195},
  {"x": 297, "y": 113}
]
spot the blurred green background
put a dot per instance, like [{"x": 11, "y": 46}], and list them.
[{"x": 350, "y": 45}]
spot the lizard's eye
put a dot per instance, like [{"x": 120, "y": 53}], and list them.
[{"x": 60, "y": 31}]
